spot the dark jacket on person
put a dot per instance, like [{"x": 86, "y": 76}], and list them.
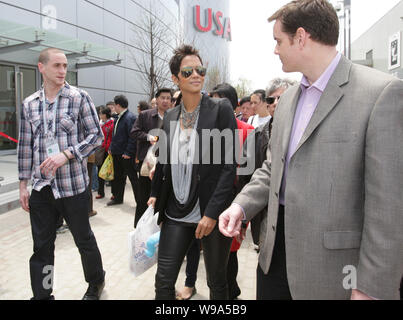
[
  {"x": 262, "y": 136},
  {"x": 146, "y": 121},
  {"x": 216, "y": 181},
  {"x": 122, "y": 143}
]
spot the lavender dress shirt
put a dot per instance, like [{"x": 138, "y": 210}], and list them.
[{"x": 307, "y": 103}]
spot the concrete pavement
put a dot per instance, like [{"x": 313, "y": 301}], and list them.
[{"x": 111, "y": 227}]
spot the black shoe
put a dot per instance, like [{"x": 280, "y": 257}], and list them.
[
  {"x": 47, "y": 298},
  {"x": 94, "y": 291},
  {"x": 235, "y": 295},
  {"x": 62, "y": 229},
  {"x": 114, "y": 203}
]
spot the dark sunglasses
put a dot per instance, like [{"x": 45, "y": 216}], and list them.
[
  {"x": 188, "y": 71},
  {"x": 271, "y": 100}
]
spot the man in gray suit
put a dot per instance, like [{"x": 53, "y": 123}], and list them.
[{"x": 334, "y": 174}]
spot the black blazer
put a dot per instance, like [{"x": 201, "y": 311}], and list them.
[
  {"x": 122, "y": 143},
  {"x": 216, "y": 181},
  {"x": 146, "y": 121}
]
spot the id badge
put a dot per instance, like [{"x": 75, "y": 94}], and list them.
[{"x": 52, "y": 148}]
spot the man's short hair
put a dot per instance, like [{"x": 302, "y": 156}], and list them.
[
  {"x": 278, "y": 83},
  {"x": 317, "y": 17},
  {"x": 44, "y": 56},
  {"x": 261, "y": 93},
  {"x": 122, "y": 101},
  {"x": 244, "y": 100},
  {"x": 225, "y": 90},
  {"x": 179, "y": 54},
  {"x": 162, "y": 90},
  {"x": 143, "y": 105}
]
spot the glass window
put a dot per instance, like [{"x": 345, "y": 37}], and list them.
[{"x": 71, "y": 78}]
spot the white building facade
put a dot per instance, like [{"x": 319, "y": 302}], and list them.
[
  {"x": 380, "y": 46},
  {"x": 101, "y": 39}
]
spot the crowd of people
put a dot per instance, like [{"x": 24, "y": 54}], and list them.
[{"x": 323, "y": 195}]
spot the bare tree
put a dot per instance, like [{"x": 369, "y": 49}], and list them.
[
  {"x": 153, "y": 38},
  {"x": 217, "y": 74},
  {"x": 243, "y": 87}
]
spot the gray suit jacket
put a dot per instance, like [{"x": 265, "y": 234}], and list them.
[{"x": 344, "y": 194}]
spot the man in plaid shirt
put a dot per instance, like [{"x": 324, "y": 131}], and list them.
[{"x": 59, "y": 129}]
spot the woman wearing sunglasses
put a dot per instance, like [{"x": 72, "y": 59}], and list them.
[{"x": 197, "y": 183}]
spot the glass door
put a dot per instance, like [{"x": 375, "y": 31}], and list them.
[
  {"x": 16, "y": 83},
  {"x": 26, "y": 84},
  {"x": 8, "y": 103}
]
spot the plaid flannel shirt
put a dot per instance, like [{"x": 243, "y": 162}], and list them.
[{"x": 77, "y": 129}]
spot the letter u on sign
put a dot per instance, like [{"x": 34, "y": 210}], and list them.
[{"x": 208, "y": 19}]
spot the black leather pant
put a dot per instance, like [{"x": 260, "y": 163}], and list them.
[
  {"x": 192, "y": 263},
  {"x": 175, "y": 241}
]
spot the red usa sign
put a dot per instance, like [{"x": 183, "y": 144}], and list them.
[{"x": 222, "y": 25}]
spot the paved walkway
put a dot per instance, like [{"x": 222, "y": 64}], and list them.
[{"x": 111, "y": 227}]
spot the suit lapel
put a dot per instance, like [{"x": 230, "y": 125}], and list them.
[
  {"x": 172, "y": 116},
  {"x": 327, "y": 103},
  {"x": 172, "y": 120},
  {"x": 329, "y": 99},
  {"x": 120, "y": 121},
  {"x": 289, "y": 120},
  {"x": 203, "y": 115},
  {"x": 204, "y": 122},
  {"x": 154, "y": 119}
]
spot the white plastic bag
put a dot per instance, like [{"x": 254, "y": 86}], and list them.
[
  {"x": 146, "y": 227},
  {"x": 149, "y": 162}
]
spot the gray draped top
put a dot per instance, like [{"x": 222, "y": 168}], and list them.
[{"x": 182, "y": 155}]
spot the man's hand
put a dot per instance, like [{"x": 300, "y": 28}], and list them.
[
  {"x": 358, "y": 295},
  {"x": 126, "y": 157},
  {"x": 205, "y": 227},
  {"x": 24, "y": 195},
  {"x": 151, "y": 202},
  {"x": 51, "y": 164},
  {"x": 230, "y": 221}
]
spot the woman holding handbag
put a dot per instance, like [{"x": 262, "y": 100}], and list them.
[
  {"x": 196, "y": 183},
  {"x": 107, "y": 129}
]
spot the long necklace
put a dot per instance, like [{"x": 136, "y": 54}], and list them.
[{"x": 189, "y": 118}]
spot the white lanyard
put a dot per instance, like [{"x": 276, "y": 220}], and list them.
[{"x": 45, "y": 112}]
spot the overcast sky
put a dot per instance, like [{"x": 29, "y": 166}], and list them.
[{"x": 252, "y": 43}]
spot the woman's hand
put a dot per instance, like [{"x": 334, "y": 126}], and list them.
[
  {"x": 205, "y": 227},
  {"x": 151, "y": 202},
  {"x": 151, "y": 175}
]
